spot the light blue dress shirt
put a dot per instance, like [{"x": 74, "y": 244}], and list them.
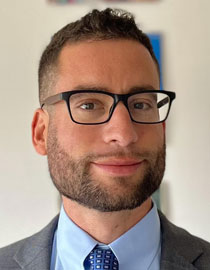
[{"x": 137, "y": 249}]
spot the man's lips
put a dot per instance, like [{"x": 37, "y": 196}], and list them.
[{"x": 120, "y": 167}]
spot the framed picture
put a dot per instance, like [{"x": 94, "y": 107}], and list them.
[{"x": 156, "y": 40}]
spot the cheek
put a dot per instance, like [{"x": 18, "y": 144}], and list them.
[
  {"x": 77, "y": 140},
  {"x": 159, "y": 132},
  {"x": 153, "y": 136}
]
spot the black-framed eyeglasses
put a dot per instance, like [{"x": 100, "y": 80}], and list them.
[{"x": 93, "y": 107}]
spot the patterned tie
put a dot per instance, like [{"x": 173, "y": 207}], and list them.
[{"x": 101, "y": 258}]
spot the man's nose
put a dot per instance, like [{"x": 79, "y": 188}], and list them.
[{"x": 120, "y": 129}]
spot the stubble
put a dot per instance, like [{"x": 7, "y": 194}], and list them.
[{"x": 73, "y": 179}]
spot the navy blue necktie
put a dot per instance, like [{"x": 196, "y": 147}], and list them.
[{"x": 101, "y": 258}]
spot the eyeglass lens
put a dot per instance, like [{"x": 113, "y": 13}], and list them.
[{"x": 96, "y": 107}]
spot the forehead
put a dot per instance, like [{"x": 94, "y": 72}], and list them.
[{"x": 117, "y": 65}]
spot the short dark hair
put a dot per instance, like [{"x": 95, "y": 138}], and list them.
[{"x": 96, "y": 25}]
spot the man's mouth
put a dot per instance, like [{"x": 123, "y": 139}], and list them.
[{"x": 118, "y": 167}]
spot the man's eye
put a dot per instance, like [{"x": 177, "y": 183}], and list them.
[
  {"x": 141, "y": 106},
  {"x": 88, "y": 106}
]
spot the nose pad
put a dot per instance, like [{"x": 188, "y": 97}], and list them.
[{"x": 111, "y": 110}]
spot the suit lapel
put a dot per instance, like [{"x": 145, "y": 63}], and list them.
[
  {"x": 177, "y": 262},
  {"x": 179, "y": 250},
  {"x": 166, "y": 265},
  {"x": 40, "y": 259},
  {"x": 35, "y": 254}
]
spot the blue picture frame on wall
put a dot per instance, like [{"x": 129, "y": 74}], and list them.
[{"x": 156, "y": 41}]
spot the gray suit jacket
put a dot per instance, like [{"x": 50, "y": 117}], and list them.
[{"x": 180, "y": 250}]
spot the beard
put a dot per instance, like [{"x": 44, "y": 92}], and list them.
[{"x": 74, "y": 180}]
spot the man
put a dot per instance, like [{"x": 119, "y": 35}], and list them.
[{"x": 101, "y": 125}]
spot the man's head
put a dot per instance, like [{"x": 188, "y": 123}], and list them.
[
  {"x": 108, "y": 24},
  {"x": 118, "y": 164}
]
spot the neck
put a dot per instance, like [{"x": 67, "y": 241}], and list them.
[{"x": 105, "y": 227}]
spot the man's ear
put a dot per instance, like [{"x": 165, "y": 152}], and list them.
[{"x": 39, "y": 129}]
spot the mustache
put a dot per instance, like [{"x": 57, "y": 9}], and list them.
[{"x": 121, "y": 154}]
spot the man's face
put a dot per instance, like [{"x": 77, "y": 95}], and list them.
[{"x": 116, "y": 165}]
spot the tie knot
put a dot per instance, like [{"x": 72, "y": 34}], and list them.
[{"x": 101, "y": 258}]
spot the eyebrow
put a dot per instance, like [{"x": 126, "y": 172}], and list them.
[
  {"x": 105, "y": 89},
  {"x": 141, "y": 88}
]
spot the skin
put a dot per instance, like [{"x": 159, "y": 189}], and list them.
[{"x": 117, "y": 66}]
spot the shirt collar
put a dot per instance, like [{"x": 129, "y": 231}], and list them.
[
  {"x": 141, "y": 242},
  {"x": 72, "y": 241}
]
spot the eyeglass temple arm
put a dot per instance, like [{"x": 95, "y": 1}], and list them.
[
  {"x": 163, "y": 102},
  {"x": 52, "y": 100}
]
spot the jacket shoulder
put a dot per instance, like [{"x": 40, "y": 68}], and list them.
[
  {"x": 177, "y": 242},
  {"x": 18, "y": 254},
  {"x": 7, "y": 253}
]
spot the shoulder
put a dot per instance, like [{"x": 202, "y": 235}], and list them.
[
  {"x": 176, "y": 235},
  {"x": 24, "y": 250},
  {"x": 177, "y": 242},
  {"x": 7, "y": 253}
]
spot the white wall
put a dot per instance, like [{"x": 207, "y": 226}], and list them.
[{"x": 28, "y": 200}]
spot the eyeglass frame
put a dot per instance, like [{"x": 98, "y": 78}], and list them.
[{"x": 116, "y": 97}]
